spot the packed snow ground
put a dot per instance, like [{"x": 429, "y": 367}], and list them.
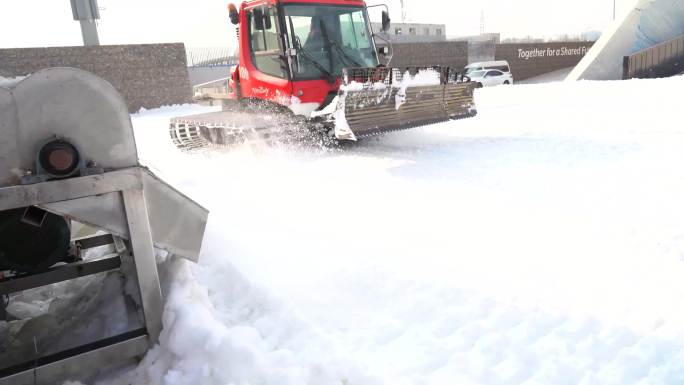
[{"x": 539, "y": 243}]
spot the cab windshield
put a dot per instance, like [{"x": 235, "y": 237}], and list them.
[{"x": 328, "y": 39}]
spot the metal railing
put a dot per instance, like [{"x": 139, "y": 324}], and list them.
[
  {"x": 661, "y": 60},
  {"x": 211, "y": 57},
  {"x": 371, "y": 77},
  {"x": 211, "y": 89}
]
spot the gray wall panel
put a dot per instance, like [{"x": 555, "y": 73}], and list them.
[{"x": 147, "y": 75}]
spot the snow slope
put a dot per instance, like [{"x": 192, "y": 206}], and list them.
[{"x": 539, "y": 243}]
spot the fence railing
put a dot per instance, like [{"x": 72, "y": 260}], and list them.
[
  {"x": 211, "y": 89},
  {"x": 662, "y": 60},
  {"x": 211, "y": 57}
]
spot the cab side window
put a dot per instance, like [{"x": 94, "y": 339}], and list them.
[
  {"x": 354, "y": 31},
  {"x": 264, "y": 41}
]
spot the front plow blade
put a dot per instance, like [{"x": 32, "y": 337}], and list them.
[{"x": 380, "y": 100}]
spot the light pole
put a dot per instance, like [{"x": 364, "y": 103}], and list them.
[
  {"x": 403, "y": 12},
  {"x": 86, "y": 12},
  {"x": 614, "y": 8}
]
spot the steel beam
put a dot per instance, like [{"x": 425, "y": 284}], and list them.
[
  {"x": 62, "y": 190},
  {"x": 93, "y": 242},
  {"x": 59, "y": 274},
  {"x": 79, "y": 365},
  {"x": 145, "y": 261}
]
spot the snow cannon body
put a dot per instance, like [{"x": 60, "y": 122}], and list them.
[{"x": 79, "y": 218}]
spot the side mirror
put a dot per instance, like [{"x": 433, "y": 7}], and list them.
[
  {"x": 258, "y": 19},
  {"x": 234, "y": 15},
  {"x": 386, "y": 21}
]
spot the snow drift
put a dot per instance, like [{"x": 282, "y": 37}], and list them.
[{"x": 540, "y": 243}]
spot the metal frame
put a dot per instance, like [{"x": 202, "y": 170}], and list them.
[
  {"x": 69, "y": 189},
  {"x": 97, "y": 200},
  {"x": 59, "y": 274},
  {"x": 129, "y": 184},
  {"x": 55, "y": 372}
]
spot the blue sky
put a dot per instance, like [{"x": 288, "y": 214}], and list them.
[{"x": 204, "y": 23}]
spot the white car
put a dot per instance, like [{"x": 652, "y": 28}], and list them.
[
  {"x": 501, "y": 65},
  {"x": 490, "y": 78}
]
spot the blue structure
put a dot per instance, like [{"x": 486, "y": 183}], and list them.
[{"x": 663, "y": 20}]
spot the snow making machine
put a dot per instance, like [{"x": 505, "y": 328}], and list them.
[
  {"x": 312, "y": 70},
  {"x": 81, "y": 225}
]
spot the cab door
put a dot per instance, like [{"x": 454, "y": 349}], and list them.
[{"x": 265, "y": 68}]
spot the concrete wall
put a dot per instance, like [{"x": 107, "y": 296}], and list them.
[
  {"x": 479, "y": 51},
  {"x": 452, "y": 54},
  {"x": 149, "y": 76},
  {"x": 530, "y": 60},
  {"x": 526, "y": 60}
]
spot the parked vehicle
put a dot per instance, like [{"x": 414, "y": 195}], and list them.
[
  {"x": 501, "y": 65},
  {"x": 490, "y": 78}
]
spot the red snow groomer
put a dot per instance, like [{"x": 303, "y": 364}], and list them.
[{"x": 312, "y": 67}]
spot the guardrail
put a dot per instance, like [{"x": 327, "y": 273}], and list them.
[
  {"x": 211, "y": 57},
  {"x": 661, "y": 60},
  {"x": 211, "y": 89}
]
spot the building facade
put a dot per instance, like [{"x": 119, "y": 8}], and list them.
[
  {"x": 482, "y": 38},
  {"x": 414, "y": 32}
]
